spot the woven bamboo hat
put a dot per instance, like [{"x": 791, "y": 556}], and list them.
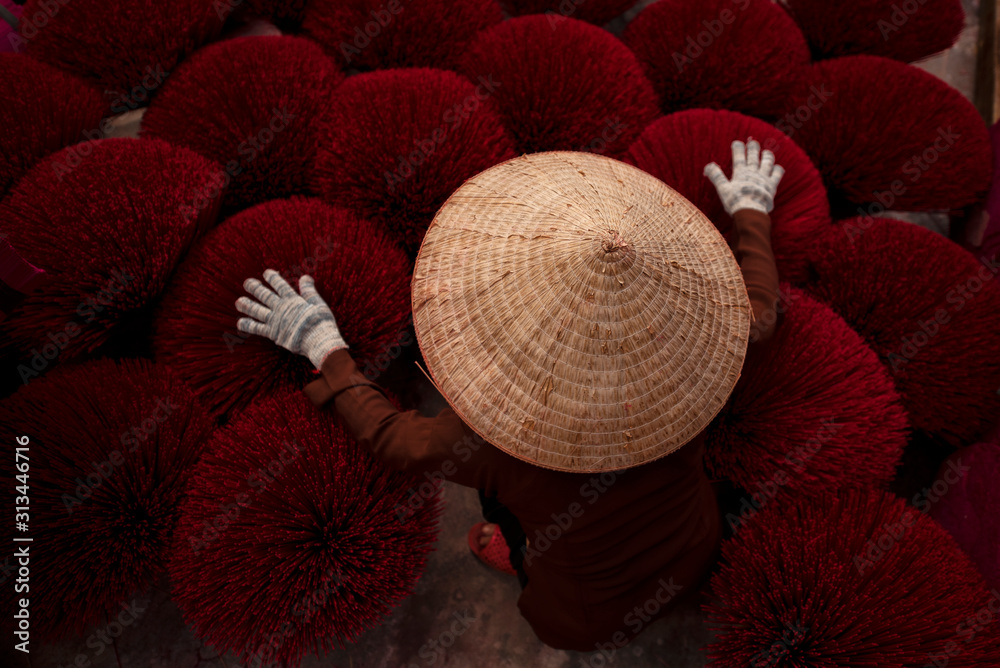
[{"x": 578, "y": 313}]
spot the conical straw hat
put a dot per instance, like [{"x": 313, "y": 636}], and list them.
[{"x": 578, "y": 313}]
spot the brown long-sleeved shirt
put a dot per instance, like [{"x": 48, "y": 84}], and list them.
[{"x": 607, "y": 552}]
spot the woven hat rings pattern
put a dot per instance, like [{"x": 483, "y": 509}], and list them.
[{"x": 578, "y": 313}]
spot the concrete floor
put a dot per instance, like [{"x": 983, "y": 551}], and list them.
[{"x": 455, "y": 582}]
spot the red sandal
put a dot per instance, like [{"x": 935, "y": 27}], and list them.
[{"x": 495, "y": 554}]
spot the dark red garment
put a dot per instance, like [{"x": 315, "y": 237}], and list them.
[{"x": 607, "y": 553}]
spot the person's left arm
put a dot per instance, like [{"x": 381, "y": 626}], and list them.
[{"x": 749, "y": 198}]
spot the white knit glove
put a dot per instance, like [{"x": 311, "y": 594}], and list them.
[
  {"x": 755, "y": 179},
  {"x": 303, "y": 324}
]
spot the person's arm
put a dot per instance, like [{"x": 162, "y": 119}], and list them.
[
  {"x": 749, "y": 197},
  {"x": 406, "y": 440},
  {"x": 752, "y": 230}
]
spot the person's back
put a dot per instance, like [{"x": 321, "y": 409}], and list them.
[{"x": 618, "y": 547}]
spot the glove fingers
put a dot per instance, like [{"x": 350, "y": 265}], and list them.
[
  {"x": 253, "y": 309},
  {"x": 715, "y": 175},
  {"x": 307, "y": 288},
  {"x": 251, "y": 326},
  {"x": 279, "y": 284},
  {"x": 261, "y": 292},
  {"x": 766, "y": 162},
  {"x": 753, "y": 154},
  {"x": 776, "y": 175},
  {"x": 739, "y": 154}
]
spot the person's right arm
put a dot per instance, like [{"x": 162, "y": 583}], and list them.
[{"x": 752, "y": 231}]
